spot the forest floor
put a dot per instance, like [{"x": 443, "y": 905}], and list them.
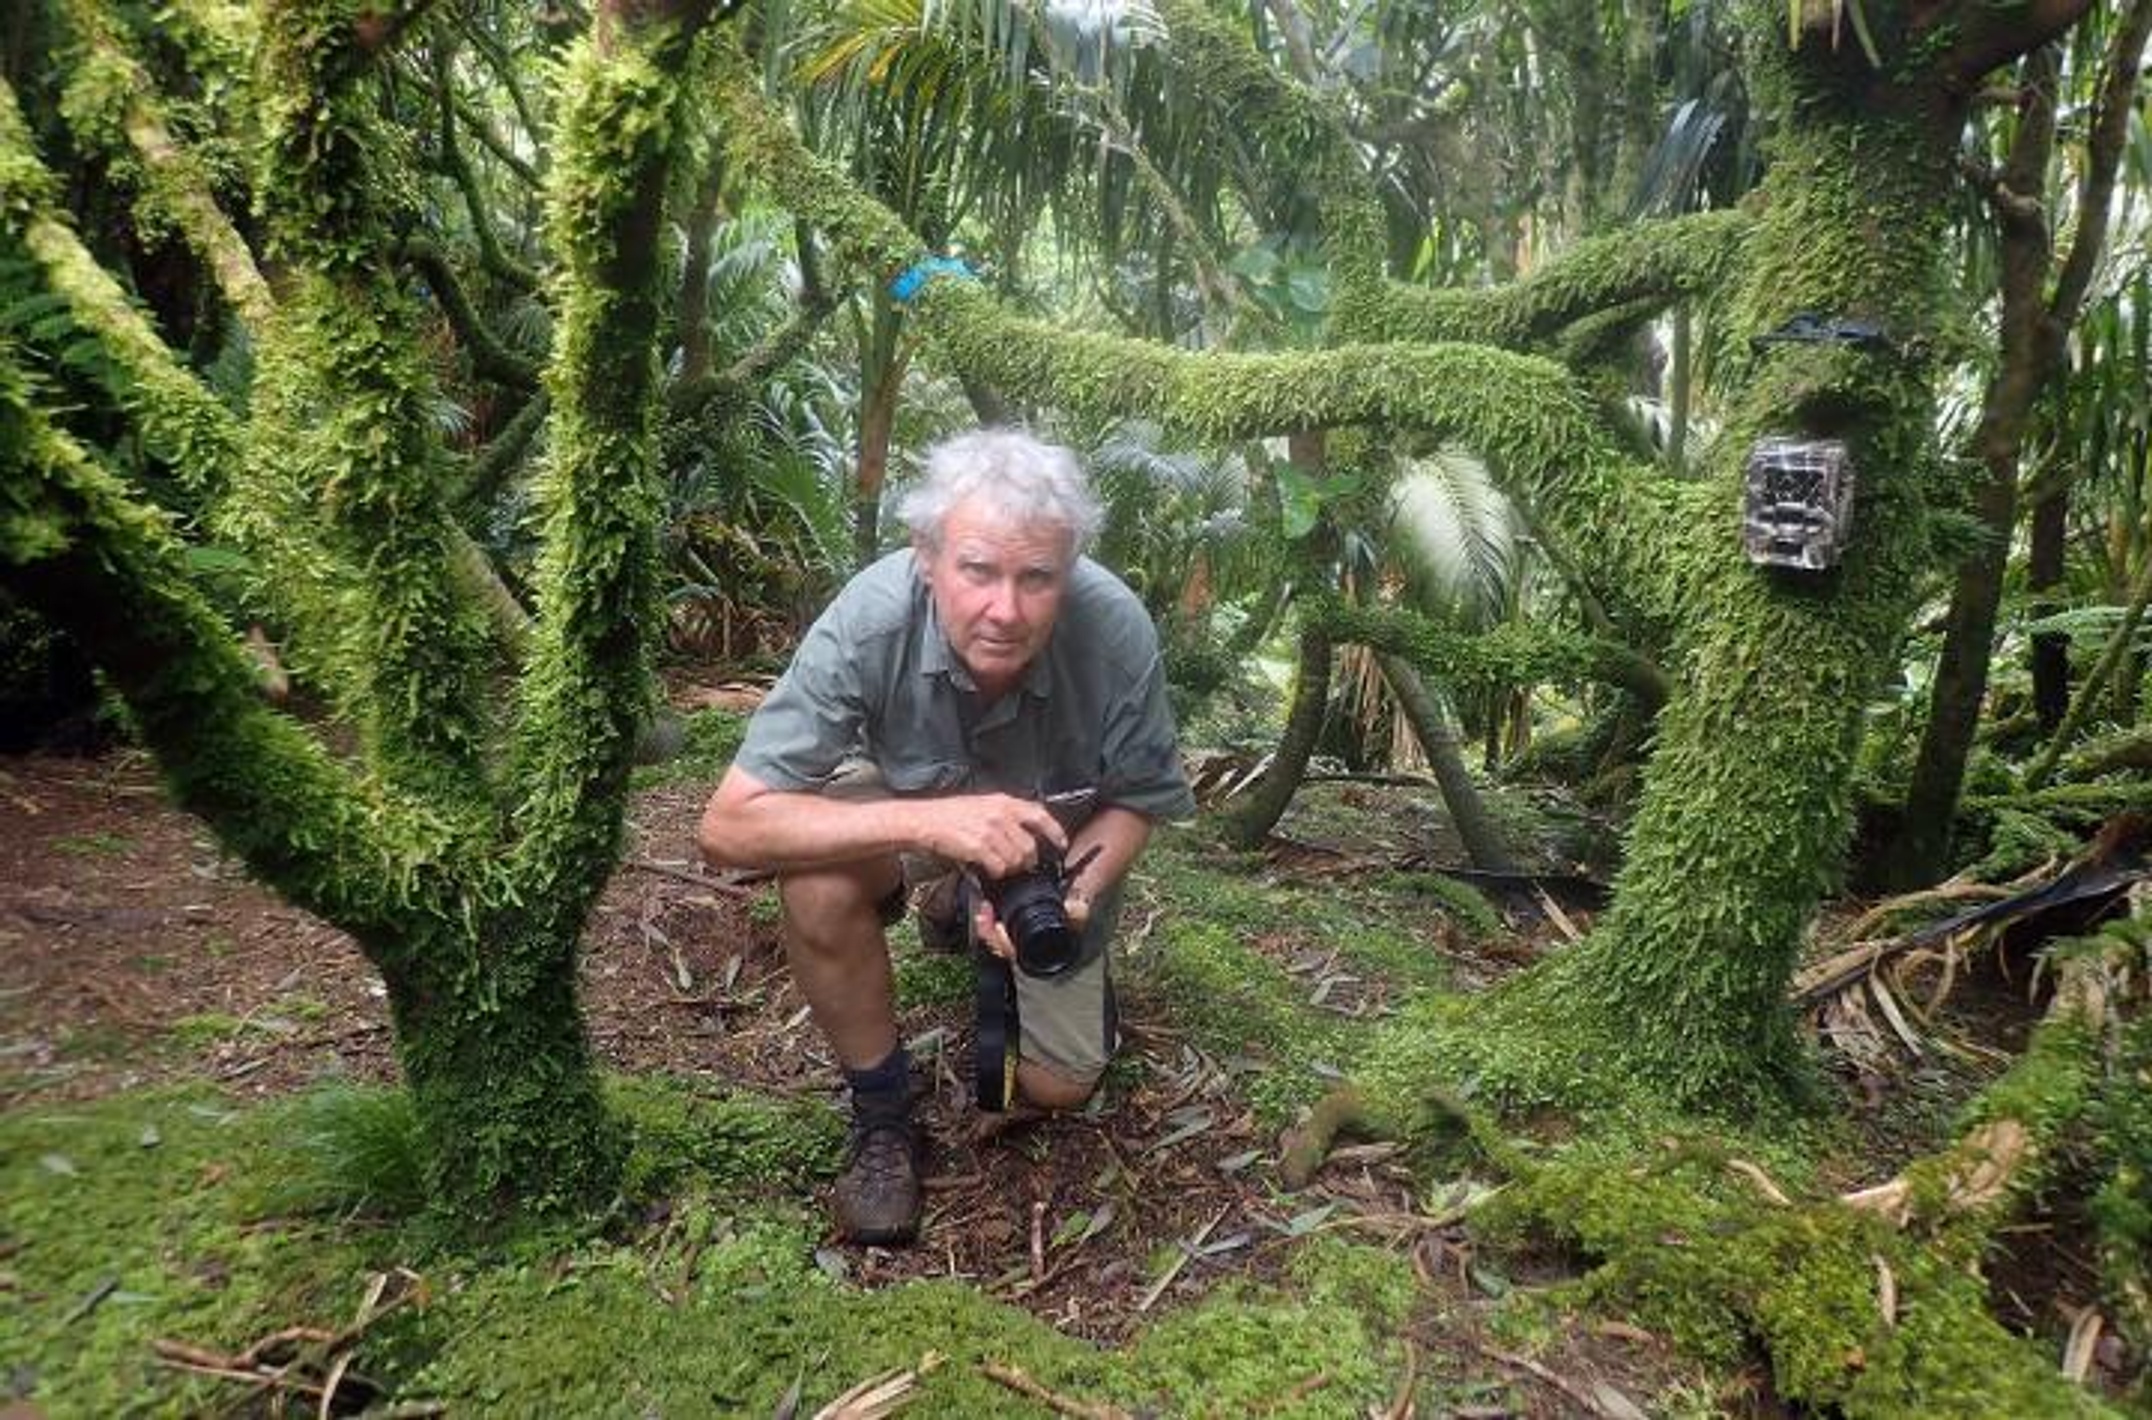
[{"x": 136, "y": 959}]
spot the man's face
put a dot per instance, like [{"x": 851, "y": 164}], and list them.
[{"x": 997, "y": 588}]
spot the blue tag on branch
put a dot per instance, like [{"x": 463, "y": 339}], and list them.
[{"x": 915, "y": 279}]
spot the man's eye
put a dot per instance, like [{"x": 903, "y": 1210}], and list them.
[
  {"x": 1038, "y": 579},
  {"x": 977, "y": 572}
]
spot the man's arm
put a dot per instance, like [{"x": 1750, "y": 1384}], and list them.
[
  {"x": 747, "y": 823},
  {"x": 1119, "y": 835}
]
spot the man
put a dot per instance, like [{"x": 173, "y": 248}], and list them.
[{"x": 944, "y": 695}]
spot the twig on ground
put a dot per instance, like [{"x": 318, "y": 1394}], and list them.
[
  {"x": 1173, "y": 1269},
  {"x": 1401, "y": 1406},
  {"x": 1533, "y": 1368},
  {"x": 94, "y": 1298},
  {"x": 741, "y": 886},
  {"x": 1014, "y": 1378}
]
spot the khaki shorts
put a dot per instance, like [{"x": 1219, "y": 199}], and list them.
[{"x": 1068, "y": 1022}]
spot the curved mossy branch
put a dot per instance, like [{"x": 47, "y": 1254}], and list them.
[
  {"x": 622, "y": 129},
  {"x": 186, "y": 427},
  {"x": 488, "y": 473},
  {"x": 505, "y": 71},
  {"x": 2018, "y": 1127},
  {"x": 1249, "y": 824},
  {"x": 737, "y": 382},
  {"x": 491, "y": 256},
  {"x": 1508, "y": 654},
  {"x": 1524, "y": 415},
  {"x": 491, "y": 359},
  {"x": 1659, "y": 262},
  {"x": 110, "y": 572},
  {"x": 111, "y": 102},
  {"x": 1288, "y": 118},
  {"x": 347, "y": 404}
]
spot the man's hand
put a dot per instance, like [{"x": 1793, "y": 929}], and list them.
[{"x": 994, "y": 833}]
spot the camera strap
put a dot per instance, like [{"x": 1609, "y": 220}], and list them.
[{"x": 996, "y": 1049}]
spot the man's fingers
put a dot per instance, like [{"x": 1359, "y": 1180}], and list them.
[
  {"x": 988, "y": 929},
  {"x": 1040, "y": 821},
  {"x": 1078, "y": 907}
]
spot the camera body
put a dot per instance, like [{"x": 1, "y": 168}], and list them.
[{"x": 1030, "y": 907}]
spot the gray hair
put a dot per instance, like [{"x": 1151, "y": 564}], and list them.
[{"x": 1010, "y": 476}]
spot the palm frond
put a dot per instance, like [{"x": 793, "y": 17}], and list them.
[{"x": 1456, "y": 534}]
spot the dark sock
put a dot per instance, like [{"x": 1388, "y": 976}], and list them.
[{"x": 886, "y": 1087}]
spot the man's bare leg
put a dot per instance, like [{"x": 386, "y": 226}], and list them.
[{"x": 839, "y": 954}]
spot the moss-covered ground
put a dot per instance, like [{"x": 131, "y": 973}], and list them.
[{"x": 1535, "y": 1268}]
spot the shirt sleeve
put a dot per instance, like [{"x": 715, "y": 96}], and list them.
[
  {"x": 814, "y": 716},
  {"x": 1141, "y": 754}
]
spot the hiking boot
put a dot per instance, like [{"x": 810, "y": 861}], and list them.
[
  {"x": 878, "y": 1197},
  {"x": 939, "y": 908}
]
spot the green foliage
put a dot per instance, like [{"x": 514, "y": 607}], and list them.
[
  {"x": 347, "y": 1149},
  {"x": 711, "y": 738},
  {"x": 181, "y": 1197},
  {"x": 1459, "y": 900},
  {"x": 1226, "y": 971}
]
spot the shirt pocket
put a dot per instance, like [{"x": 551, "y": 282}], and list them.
[{"x": 924, "y": 774}]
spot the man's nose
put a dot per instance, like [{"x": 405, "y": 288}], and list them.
[{"x": 1002, "y": 605}]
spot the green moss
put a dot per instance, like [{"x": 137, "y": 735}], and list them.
[
  {"x": 94, "y": 845},
  {"x": 206, "y": 1028},
  {"x": 712, "y": 738},
  {"x": 1685, "y": 1244},
  {"x": 927, "y": 978},
  {"x": 155, "y": 1194},
  {"x": 1460, "y": 900},
  {"x": 731, "y": 1141}
]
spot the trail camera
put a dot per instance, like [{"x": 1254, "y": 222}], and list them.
[{"x": 1797, "y": 510}]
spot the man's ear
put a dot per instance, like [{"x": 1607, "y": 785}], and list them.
[{"x": 923, "y": 559}]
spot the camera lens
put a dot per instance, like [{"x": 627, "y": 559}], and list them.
[{"x": 1030, "y": 909}]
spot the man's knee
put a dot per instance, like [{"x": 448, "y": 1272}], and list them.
[
  {"x": 1056, "y": 1087},
  {"x": 840, "y": 907}
]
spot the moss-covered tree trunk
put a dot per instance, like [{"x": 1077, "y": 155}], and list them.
[
  {"x": 1476, "y": 828},
  {"x": 504, "y": 1086},
  {"x": 1744, "y": 814}
]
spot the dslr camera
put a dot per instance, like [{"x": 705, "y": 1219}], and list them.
[{"x": 1031, "y": 907}]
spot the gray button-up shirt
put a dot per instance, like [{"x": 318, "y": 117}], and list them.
[{"x": 876, "y": 678}]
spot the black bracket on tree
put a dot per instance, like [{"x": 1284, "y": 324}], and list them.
[{"x": 1809, "y": 328}]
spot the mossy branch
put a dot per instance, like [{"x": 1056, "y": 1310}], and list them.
[
  {"x": 1524, "y": 415},
  {"x": 488, "y": 473},
  {"x": 1658, "y": 261},
  {"x": 2020, "y": 1122},
  {"x": 1288, "y": 117},
  {"x": 1509, "y": 654},
  {"x": 346, "y": 406},
  {"x": 177, "y": 187},
  {"x": 110, "y": 572},
  {"x": 623, "y": 127},
  {"x": 491, "y": 255},
  {"x": 491, "y": 359},
  {"x": 506, "y": 71},
  {"x": 252, "y": 503}
]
